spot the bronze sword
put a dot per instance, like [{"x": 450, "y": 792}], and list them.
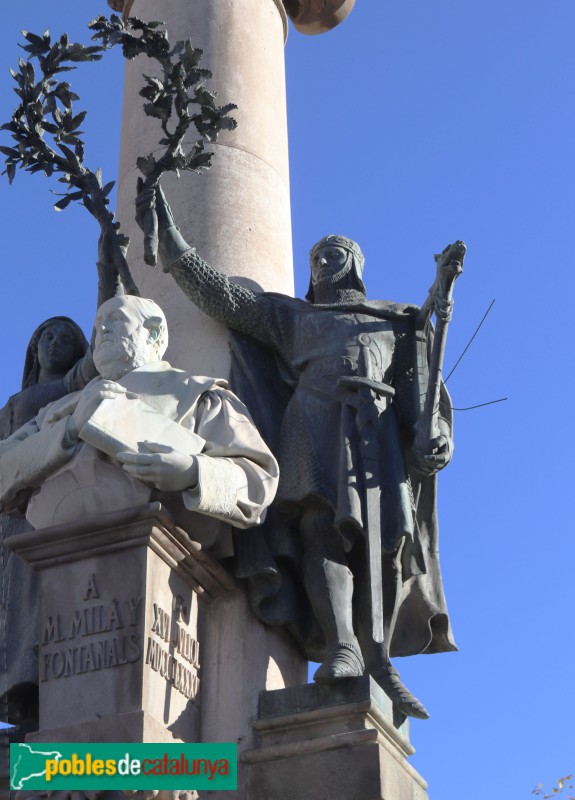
[{"x": 368, "y": 424}]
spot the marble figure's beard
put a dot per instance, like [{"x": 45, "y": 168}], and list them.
[{"x": 118, "y": 358}]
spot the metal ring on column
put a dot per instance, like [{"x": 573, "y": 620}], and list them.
[{"x": 317, "y": 16}]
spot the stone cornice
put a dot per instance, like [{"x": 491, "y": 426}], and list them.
[{"x": 125, "y": 7}]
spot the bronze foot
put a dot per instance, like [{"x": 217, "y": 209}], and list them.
[
  {"x": 388, "y": 678},
  {"x": 344, "y": 661}
]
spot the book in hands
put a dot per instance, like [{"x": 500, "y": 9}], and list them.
[{"x": 124, "y": 425}]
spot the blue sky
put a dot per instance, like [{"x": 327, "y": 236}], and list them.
[{"x": 412, "y": 125}]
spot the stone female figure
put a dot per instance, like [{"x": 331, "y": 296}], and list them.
[{"x": 57, "y": 362}]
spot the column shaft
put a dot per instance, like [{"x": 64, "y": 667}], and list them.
[{"x": 238, "y": 214}]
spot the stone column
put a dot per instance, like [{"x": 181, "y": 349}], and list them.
[{"x": 237, "y": 214}]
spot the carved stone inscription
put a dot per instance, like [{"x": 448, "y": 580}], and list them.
[
  {"x": 179, "y": 662},
  {"x": 98, "y": 635}
]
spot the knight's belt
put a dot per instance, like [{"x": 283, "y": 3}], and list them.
[{"x": 336, "y": 367}]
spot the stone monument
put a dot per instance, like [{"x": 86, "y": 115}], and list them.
[{"x": 142, "y": 622}]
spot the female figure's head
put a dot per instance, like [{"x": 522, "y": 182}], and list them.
[{"x": 56, "y": 345}]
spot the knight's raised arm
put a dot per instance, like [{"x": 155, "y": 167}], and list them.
[{"x": 214, "y": 293}]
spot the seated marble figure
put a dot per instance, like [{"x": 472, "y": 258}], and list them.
[{"x": 140, "y": 430}]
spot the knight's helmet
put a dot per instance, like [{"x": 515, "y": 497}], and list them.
[{"x": 354, "y": 251}]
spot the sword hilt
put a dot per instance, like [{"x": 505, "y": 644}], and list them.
[{"x": 365, "y": 380}]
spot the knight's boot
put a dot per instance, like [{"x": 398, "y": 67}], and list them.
[
  {"x": 376, "y": 653},
  {"x": 330, "y": 587},
  {"x": 388, "y": 678},
  {"x": 381, "y": 670},
  {"x": 343, "y": 661}
]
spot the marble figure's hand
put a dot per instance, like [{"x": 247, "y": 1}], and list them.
[
  {"x": 89, "y": 401},
  {"x": 167, "y": 469},
  {"x": 437, "y": 457}
]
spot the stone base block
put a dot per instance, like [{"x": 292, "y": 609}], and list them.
[
  {"x": 137, "y": 726},
  {"x": 317, "y": 743}
]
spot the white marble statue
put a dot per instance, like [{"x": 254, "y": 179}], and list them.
[{"x": 143, "y": 430}]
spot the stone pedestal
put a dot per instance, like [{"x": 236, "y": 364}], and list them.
[
  {"x": 119, "y": 655},
  {"x": 145, "y": 637},
  {"x": 319, "y": 743}
]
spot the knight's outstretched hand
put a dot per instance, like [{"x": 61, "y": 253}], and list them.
[
  {"x": 171, "y": 243},
  {"x": 151, "y": 198}
]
